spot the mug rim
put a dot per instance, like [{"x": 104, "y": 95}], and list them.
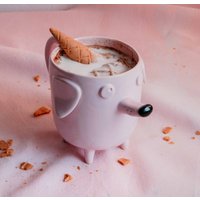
[{"x": 133, "y": 69}]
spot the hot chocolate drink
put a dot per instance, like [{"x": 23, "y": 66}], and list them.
[{"x": 106, "y": 62}]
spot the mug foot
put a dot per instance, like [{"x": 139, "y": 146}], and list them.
[
  {"x": 89, "y": 156},
  {"x": 124, "y": 145}
]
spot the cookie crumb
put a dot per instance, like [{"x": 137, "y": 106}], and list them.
[
  {"x": 41, "y": 169},
  {"x": 10, "y": 142},
  {"x": 166, "y": 130},
  {"x": 171, "y": 142},
  {"x": 94, "y": 72},
  {"x": 67, "y": 178},
  {"x": 193, "y": 138},
  {"x": 3, "y": 145},
  {"x": 25, "y": 166},
  {"x": 197, "y": 133},
  {"x": 41, "y": 111},
  {"x": 78, "y": 167},
  {"x": 36, "y": 78},
  {"x": 57, "y": 58},
  {"x": 107, "y": 55},
  {"x": 166, "y": 138},
  {"x": 6, "y": 153},
  {"x": 9, "y": 152},
  {"x": 123, "y": 161},
  {"x": 5, "y": 150},
  {"x": 44, "y": 163}
]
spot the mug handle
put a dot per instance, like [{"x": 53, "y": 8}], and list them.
[{"x": 50, "y": 45}]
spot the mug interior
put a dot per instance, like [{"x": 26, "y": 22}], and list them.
[
  {"x": 111, "y": 43},
  {"x": 105, "y": 42}
]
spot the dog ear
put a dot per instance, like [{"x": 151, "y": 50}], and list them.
[{"x": 65, "y": 96}]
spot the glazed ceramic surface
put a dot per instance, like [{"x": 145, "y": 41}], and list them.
[{"x": 96, "y": 113}]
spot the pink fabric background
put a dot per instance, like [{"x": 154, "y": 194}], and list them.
[{"x": 157, "y": 168}]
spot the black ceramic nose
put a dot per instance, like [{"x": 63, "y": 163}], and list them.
[{"x": 145, "y": 110}]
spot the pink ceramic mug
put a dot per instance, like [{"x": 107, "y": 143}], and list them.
[{"x": 96, "y": 113}]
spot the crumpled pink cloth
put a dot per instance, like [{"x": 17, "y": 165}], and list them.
[{"x": 167, "y": 38}]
